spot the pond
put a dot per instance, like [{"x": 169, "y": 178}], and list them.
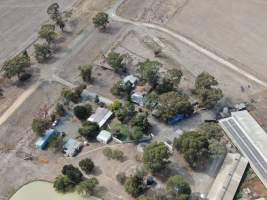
[{"x": 42, "y": 190}]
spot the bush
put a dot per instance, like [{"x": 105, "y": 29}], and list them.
[
  {"x": 81, "y": 112},
  {"x": 87, "y": 165},
  {"x": 107, "y": 152},
  {"x": 89, "y": 130},
  {"x": 117, "y": 155},
  {"x": 42, "y": 52},
  {"x": 115, "y": 61},
  {"x": 63, "y": 184},
  {"x": 40, "y": 125},
  {"x": 121, "y": 178},
  {"x": 73, "y": 173},
  {"x": 113, "y": 154},
  {"x": 60, "y": 110},
  {"x": 24, "y": 77}
]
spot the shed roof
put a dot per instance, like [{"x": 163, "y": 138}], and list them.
[
  {"x": 104, "y": 136},
  {"x": 132, "y": 79},
  {"x": 100, "y": 116},
  {"x": 71, "y": 146}
]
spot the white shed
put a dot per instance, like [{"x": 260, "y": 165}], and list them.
[{"x": 104, "y": 137}]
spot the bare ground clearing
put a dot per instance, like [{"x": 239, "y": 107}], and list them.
[{"x": 235, "y": 30}]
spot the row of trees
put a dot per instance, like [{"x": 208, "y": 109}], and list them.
[
  {"x": 72, "y": 179},
  {"x": 176, "y": 187},
  {"x": 134, "y": 124},
  {"x": 201, "y": 145}
]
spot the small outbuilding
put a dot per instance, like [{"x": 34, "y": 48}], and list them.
[
  {"x": 42, "y": 142},
  {"x": 132, "y": 79},
  {"x": 104, "y": 137},
  {"x": 72, "y": 147},
  {"x": 101, "y": 116},
  {"x": 139, "y": 94}
]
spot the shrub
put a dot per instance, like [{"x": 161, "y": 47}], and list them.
[{"x": 121, "y": 178}]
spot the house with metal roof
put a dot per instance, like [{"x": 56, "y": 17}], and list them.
[
  {"x": 101, "y": 116},
  {"x": 72, "y": 147},
  {"x": 130, "y": 78}
]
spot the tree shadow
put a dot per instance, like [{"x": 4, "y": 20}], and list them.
[{"x": 97, "y": 171}]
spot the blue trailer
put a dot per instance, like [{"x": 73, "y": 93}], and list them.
[
  {"x": 42, "y": 142},
  {"x": 178, "y": 117}
]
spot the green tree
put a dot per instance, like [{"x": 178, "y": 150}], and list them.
[
  {"x": 118, "y": 89},
  {"x": 74, "y": 174},
  {"x": 63, "y": 184},
  {"x": 101, "y": 20},
  {"x": 183, "y": 197},
  {"x": 149, "y": 71},
  {"x": 71, "y": 95},
  {"x": 87, "y": 165},
  {"x": 107, "y": 152},
  {"x": 16, "y": 66},
  {"x": 178, "y": 185},
  {"x": 115, "y": 61},
  {"x": 82, "y": 112},
  {"x": 141, "y": 121},
  {"x": 42, "y": 52},
  {"x": 172, "y": 103},
  {"x": 89, "y": 130},
  {"x": 156, "y": 157},
  {"x": 164, "y": 85},
  {"x": 86, "y": 72},
  {"x": 126, "y": 113},
  {"x": 117, "y": 155},
  {"x": 195, "y": 148},
  {"x": 121, "y": 178},
  {"x": 56, "y": 143},
  {"x": 143, "y": 198},
  {"x": 175, "y": 76},
  {"x": 116, "y": 105},
  {"x": 207, "y": 91},
  {"x": 135, "y": 184},
  {"x": 86, "y": 188},
  {"x": 136, "y": 133},
  {"x": 60, "y": 110},
  {"x": 48, "y": 33},
  {"x": 55, "y": 15},
  {"x": 40, "y": 125}
]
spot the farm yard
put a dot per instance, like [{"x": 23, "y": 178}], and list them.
[{"x": 108, "y": 68}]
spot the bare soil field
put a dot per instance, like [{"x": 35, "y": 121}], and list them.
[
  {"x": 17, "y": 137},
  {"x": 97, "y": 44},
  {"x": 233, "y": 29},
  {"x": 20, "y": 21}
]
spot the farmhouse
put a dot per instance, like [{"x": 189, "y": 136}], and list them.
[{"x": 101, "y": 116}]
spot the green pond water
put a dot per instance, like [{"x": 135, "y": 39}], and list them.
[{"x": 40, "y": 190}]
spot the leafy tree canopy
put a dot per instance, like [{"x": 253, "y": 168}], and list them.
[
  {"x": 156, "y": 157},
  {"x": 172, "y": 103},
  {"x": 63, "y": 184},
  {"x": 149, "y": 71},
  {"x": 16, "y": 66},
  {"x": 115, "y": 61},
  {"x": 101, "y": 20},
  {"x": 86, "y": 72},
  {"x": 178, "y": 185},
  {"x": 207, "y": 91},
  {"x": 87, "y": 165},
  {"x": 42, "y": 52},
  {"x": 73, "y": 173},
  {"x": 48, "y": 33},
  {"x": 86, "y": 188},
  {"x": 89, "y": 130}
]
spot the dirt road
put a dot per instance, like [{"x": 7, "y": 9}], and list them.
[{"x": 206, "y": 52}]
